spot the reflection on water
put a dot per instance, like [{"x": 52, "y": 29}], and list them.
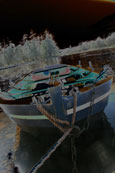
[
  {"x": 110, "y": 110},
  {"x": 95, "y": 148}
]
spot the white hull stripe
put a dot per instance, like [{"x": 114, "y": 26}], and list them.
[
  {"x": 86, "y": 105},
  {"x": 30, "y": 117},
  {"x": 69, "y": 111}
]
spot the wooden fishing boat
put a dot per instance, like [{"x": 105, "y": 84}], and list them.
[{"x": 52, "y": 87}]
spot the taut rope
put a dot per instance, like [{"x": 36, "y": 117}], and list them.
[{"x": 66, "y": 132}]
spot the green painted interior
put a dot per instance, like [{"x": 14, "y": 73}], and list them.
[{"x": 25, "y": 87}]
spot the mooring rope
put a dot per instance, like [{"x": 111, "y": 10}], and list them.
[
  {"x": 49, "y": 116},
  {"x": 17, "y": 137},
  {"x": 59, "y": 142},
  {"x": 50, "y": 151}
]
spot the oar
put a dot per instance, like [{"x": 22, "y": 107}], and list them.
[
  {"x": 38, "y": 91},
  {"x": 100, "y": 75},
  {"x": 5, "y": 68},
  {"x": 43, "y": 80},
  {"x": 78, "y": 81}
]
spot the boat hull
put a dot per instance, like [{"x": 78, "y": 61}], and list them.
[{"x": 30, "y": 119}]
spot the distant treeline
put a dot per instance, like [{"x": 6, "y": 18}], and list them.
[
  {"x": 99, "y": 43},
  {"x": 41, "y": 50},
  {"x": 32, "y": 47}
]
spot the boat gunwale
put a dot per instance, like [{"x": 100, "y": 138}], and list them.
[{"x": 27, "y": 100}]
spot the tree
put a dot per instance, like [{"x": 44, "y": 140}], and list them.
[{"x": 49, "y": 49}]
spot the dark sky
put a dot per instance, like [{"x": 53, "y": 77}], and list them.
[{"x": 66, "y": 19}]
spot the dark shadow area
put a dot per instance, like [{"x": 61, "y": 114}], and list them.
[{"x": 95, "y": 152}]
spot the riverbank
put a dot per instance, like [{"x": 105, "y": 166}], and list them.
[
  {"x": 113, "y": 87},
  {"x": 7, "y": 139}
]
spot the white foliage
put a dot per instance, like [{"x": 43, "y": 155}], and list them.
[
  {"x": 18, "y": 55},
  {"x": 36, "y": 52},
  {"x": 49, "y": 49},
  {"x": 37, "y": 48}
]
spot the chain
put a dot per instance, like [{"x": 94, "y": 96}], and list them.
[
  {"x": 74, "y": 154},
  {"x": 73, "y": 146},
  {"x": 91, "y": 104},
  {"x": 113, "y": 140},
  {"x": 86, "y": 124},
  {"x": 92, "y": 99}
]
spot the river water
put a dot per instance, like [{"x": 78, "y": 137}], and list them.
[{"x": 95, "y": 148}]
